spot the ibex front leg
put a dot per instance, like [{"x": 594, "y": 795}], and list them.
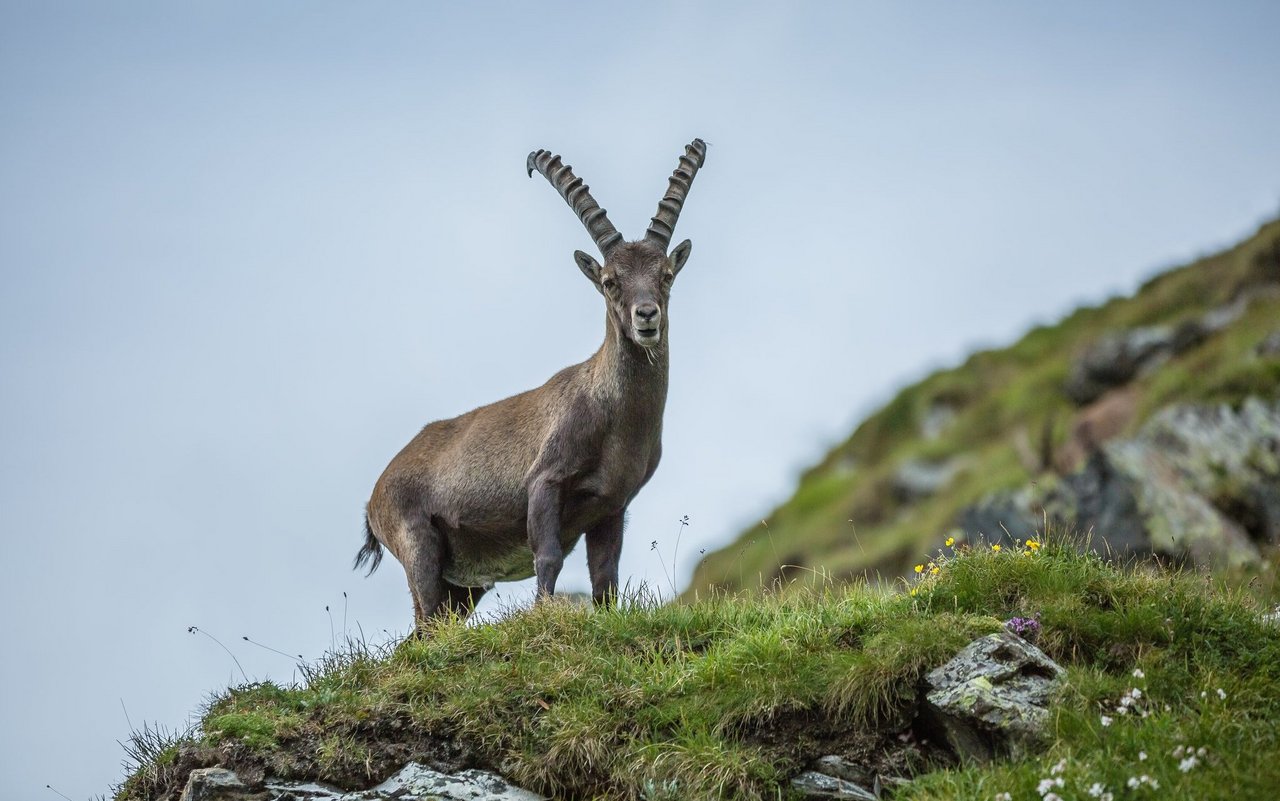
[
  {"x": 544, "y": 533},
  {"x": 604, "y": 549}
]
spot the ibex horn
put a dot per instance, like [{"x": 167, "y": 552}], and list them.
[
  {"x": 664, "y": 223},
  {"x": 578, "y": 196}
]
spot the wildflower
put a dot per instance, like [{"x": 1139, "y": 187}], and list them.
[
  {"x": 1033, "y": 545},
  {"x": 1058, "y": 768},
  {"x": 1187, "y": 764},
  {"x": 1138, "y": 674},
  {"x": 1097, "y": 789},
  {"x": 1142, "y": 756},
  {"x": 913, "y": 591},
  {"x": 935, "y": 570},
  {"x": 1052, "y": 797},
  {"x": 952, "y": 541},
  {"x": 919, "y": 568},
  {"x": 1221, "y": 695},
  {"x": 1177, "y": 752},
  {"x": 1200, "y": 751},
  {"x": 1046, "y": 785},
  {"x": 1106, "y": 721},
  {"x": 995, "y": 548},
  {"x": 1004, "y": 797}
]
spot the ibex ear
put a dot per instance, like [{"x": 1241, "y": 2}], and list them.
[
  {"x": 680, "y": 255},
  {"x": 590, "y": 268}
]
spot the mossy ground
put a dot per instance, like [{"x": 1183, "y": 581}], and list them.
[
  {"x": 1011, "y": 417},
  {"x": 730, "y": 696}
]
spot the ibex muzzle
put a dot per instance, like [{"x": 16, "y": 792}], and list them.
[{"x": 502, "y": 492}]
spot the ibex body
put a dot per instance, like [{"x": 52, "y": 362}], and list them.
[{"x": 502, "y": 492}]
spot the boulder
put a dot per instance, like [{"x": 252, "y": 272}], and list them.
[
  {"x": 1115, "y": 359},
  {"x": 1199, "y": 483},
  {"x": 992, "y": 699},
  {"x": 218, "y": 784}
]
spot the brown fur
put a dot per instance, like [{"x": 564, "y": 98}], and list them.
[{"x": 502, "y": 492}]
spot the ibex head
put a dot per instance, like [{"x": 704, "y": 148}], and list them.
[{"x": 636, "y": 276}]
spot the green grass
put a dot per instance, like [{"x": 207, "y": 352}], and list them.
[
  {"x": 1009, "y": 407},
  {"x": 729, "y": 697}
]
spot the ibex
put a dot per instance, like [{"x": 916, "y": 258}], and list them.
[{"x": 502, "y": 492}]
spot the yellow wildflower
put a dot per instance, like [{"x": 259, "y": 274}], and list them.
[
  {"x": 1033, "y": 545},
  {"x": 913, "y": 590},
  {"x": 935, "y": 570},
  {"x": 951, "y": 541},
  {"x": 995, "y": 548},
  {"x": 919, "y": 568}
]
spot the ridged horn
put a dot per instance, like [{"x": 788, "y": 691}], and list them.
[
  {"x": 578, "y": 196},
  {"x": 664, "y": 223}
]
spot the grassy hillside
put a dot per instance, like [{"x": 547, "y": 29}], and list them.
[
  {"x": 730, "y": 697},
  {"x": 1000, "y": 421}
]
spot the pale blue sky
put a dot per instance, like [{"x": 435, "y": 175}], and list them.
[{"x": 249, "y": 249}]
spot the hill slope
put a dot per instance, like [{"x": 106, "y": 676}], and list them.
[
  {"x": 729, "y": 698},
  {"x": 1033, "y": 431}
]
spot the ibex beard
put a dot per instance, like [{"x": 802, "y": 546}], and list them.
[{"x": 502, "y": 492}]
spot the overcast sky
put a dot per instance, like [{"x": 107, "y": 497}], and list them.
[{"x": 249, "y": 249}]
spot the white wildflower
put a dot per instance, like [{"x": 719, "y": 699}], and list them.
[
  {"x": 1138, "y": 674},
  {"x": 1097, "y": 789},
  {"x": 1106, "y": 797},
  {"x": 1004, "y": 797},
  {"x": 1053, "y": 797},
  {"x": 1058, "y": 768},
  {"x": 1133, "y": 782},
  {"x": 1201, "y": 751},
  {"x": 1106, "y": 721},
  {"x": 1177, "y": 752},
  {"x": 1187, "y": 764},
  {"x": 1046, "y": 785},
  {"x": 1136, "y": 693},
  {"x": 1221, "y": 695},
  {"x": 1142, "y": 756}
]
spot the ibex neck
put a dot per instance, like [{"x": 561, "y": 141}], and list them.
[{"x": 630, "y": 372}]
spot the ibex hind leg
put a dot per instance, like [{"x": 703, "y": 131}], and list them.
[{"x": 423, "y": 567}]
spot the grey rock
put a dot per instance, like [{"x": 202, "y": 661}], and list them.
[
  {"x": 992, "y": 699},
  {"x": 917, "y": 478},
  {"x": 1269, "y": 347},
  {"x": 414, "y": 782},
  {"x": 217, "y": 784},
  {"x": 841, "y": 768},
  {"x": 1014, "y": 512},
  {"x": 937, "y": 419},
  {"x": 817, "y": 786},
  {"x": 1115, "y": 359},
  {"x": 1198, "y": 483}
]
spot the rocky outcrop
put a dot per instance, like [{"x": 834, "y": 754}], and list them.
[
  {"x": 412, "y": 783},
  {"x": 1198, "y": 483},
  {"x": 992, "y": 699}
]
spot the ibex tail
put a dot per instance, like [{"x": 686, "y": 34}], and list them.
[{"x": 372, "y": 550}]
